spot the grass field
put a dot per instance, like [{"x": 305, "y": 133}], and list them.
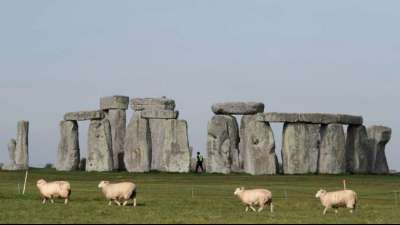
[{"x": 191, "y": 198}]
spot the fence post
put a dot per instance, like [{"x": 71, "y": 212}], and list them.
[{"x": 26, "y": 179}]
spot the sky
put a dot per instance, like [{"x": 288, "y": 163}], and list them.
[{"x": 295, "y": 56}]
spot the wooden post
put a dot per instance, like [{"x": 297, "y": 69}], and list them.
[
  {"x": 344, "y": 185},
  {"x": 26, "y": 179}
]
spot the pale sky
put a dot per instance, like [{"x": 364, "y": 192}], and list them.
[{"x": 295, "y": 56}]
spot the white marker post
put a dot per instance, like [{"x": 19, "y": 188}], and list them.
[
  {"x": 26, "y": 179},
  {"x": 344, "y": 185}
]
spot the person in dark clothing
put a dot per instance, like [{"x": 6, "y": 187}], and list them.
[{"x": 200, "y": 161}]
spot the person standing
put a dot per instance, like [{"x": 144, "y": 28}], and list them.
[{"x": 199, "y": 164}]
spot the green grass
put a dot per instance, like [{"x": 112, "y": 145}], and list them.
[{"x": 167, "y": 198}]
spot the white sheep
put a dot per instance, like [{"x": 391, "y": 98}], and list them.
[
  {"x": 339, "y": 199},
  {"x": 257, "y": 197},
  {"x": 52, "y": 190},
  {"x": 120, "y": 192}
]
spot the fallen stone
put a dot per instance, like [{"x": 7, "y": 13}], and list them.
[
  {"x": 314, "y": 118},
  {"x": 238, "y": 108},
  {"x": 160, "y": 114},
  {"x": 100, "y": 155},
  {"x": 85, "y": 115},
  {"x": 22, "y": 146},
  {"x": 379, "y": 136},
  {"x": 140, "y": 104},
  {"x": 137, "y": 156},
  {"x": 170, "y": 146},
  {"x": 332, "y": 159},
  {"x": 300, "y": 148},
  {"x": 222, "y": 144},
  {"x": 117, "y": 119},
  {"x": 68, "y": 148},
  {"x": 114, "y": 102},
  {"x": 257, "y": 146},
  {"x": 357, "y": 149}
]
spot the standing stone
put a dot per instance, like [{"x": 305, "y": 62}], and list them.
[
  {"x": 138, "y": 145},
  {"x": 68, "y": 148},
  {"x": 12, "y": 146},
  {"x": 222, "y": 144},
  {"x": 332, "y": 159},
  {"x": 22, "y": 148},
  {"x": 117, "y": 118},
  {"x": 170, "y": 146},
  {"x": 300, "y": 149},
  {"x": 100, "y": 157},
  {"x": 115, "y": 108},
  {"x": 379, "y": 136},
  {"x": 257, "y": 146},
  {"x": 357, "y": 149}
]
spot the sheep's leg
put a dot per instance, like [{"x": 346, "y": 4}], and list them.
[
  {"x": 272, "y": 207},
  {"x": 52, "y": 201},
  {"x": 336, "y": 211},
  {"x": 44, "y": 201},
  {"x": 110, "y": 203},
  {"x": 325, "y": 211},
  {"x": 252, "y": 208},
  {"x": 117, "y": 202},
  {"x": 261, "y": 209},
  {"x": 247, "y": 209},
  {"x": 125, "y": 203},
  {"x": 66, "y": 201},
  {"x": 134, "y": 203}
]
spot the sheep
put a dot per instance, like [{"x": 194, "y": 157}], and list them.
[
  {"x": 257, "y": 197},
  {"x": 119, "y": 192},
  {"x": 52, "y": 190},
  {"x": 339, "y": 199}
]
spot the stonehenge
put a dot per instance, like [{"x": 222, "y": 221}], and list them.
[
  {"x": 312, "y": 143},
  {"x": 156, "y": 139},
  {"x": 18, "y": 149}
]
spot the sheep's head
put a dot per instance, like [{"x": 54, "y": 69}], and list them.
[
  {"x": 40, "y": 182},
  {"x": 238, "y": 191},
  {"x": 320, "y": 193},
  {"x": 103, "y": 184}
]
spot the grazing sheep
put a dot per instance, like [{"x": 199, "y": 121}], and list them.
[
  {"x": 339, "y": 199},
  {"x": 119, "y": 192},
  {"x": 252, "y": 198},
  {"x": 52, "y": 190}
]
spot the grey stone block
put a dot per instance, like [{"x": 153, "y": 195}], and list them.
[
  {"x": 332, "y": 159},
  {"x": 314, "y": 118},
  {"x": 238, "y": 108},
  {"x": 84, "y": 115},
  {"x": 100, "y": 155},
  {"x": 257, "y": 146},
  {"x": 357, "y": 149},
  {"x": 68, "y": 148},
  {"x": 300, "y": 149},
  {"x": 379, "y": 136},
  {"x": 159, "y": 114},
  {"x": 114, "y": 102},
  {"x": 117, "y": 119},
  {"x": 140, "y": 104},
  {"x": 138, "y": 145}
]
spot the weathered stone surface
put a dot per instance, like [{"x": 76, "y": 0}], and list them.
[
  {"x": 300, "y": 148},
  {"x": 238, "y": 108},
  {"x": 159, "y": 114},
  {"x": 22, "y": 147},
  {"x": 140, "y": 104},
  {"x": 138, "y": 145},
  {"x": 357, "y": 149},
  {"x": 379, "y": 136},
  {"x": 170, "y": 146},
  {"x": 117, "y": 118},
  {"x": 11, "y": 165},
  {"x": 68, "y": 148},
  {"x": 315, "y": 118},
  {"x": 100, "y": 156},
  {"x": 114, "y": 102},
  {"x": 222, "y": 145},
  {"x": 84, "y": 115},
  {"x": 332, "y": 157},
  {"x": 257, "y": 146}
]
